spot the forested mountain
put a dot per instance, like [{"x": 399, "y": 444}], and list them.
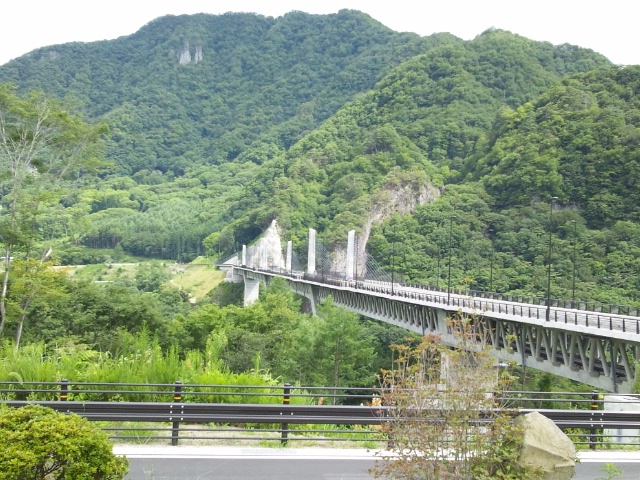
[
  {"x": 578, "y": 141},
  {"x": 420, "y": 123},
  {"x": 199, "y": 89},
  {"x": 219, "y": 124}
]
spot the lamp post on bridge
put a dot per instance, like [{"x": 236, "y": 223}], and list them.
[
  {"x": 548, "y": 299},
  {"x": 491, "y": 232},
  {"x": 573, "y": 281},
  {"x": 393, "y": 259},
  {"x": 439, "y": 256},
  {"x": 393, "y": 255},
  {"x": 449, "y": 274}
]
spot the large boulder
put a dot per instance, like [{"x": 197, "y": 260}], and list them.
[{"x": 546, "y": 447}]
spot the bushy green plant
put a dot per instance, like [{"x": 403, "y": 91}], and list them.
[{"x": 37, "y": 443}]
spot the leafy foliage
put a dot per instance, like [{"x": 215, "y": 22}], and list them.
[
  {"x": 578, "y": 141},
  {"x": 41, "y": 146},
  {"x": 38, "y": 443},
  {"x": 200, "y": 89}
]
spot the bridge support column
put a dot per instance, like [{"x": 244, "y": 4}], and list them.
[
  {"x": 313, "y": 300},
  {"x": 311, "y": 263},
  {"x": 621, "y": 403},
  {"x": 456, "y": 371},
  {"x": 287, "y": 265},
  {"x": 251, "y": 290},
  {"x": 244, "y": 256},
  {"x": 351, "y": 240}
]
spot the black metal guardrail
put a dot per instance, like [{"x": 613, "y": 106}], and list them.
[{"x": 290, "y": 413}]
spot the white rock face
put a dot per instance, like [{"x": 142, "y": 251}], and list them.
[
  {"x": 267, "y": 252},
  {"x": 547, "y": 447},
  {"x": 184, "y": 56},
  {"x": 402, "y": 200},
  {"x": 197, "y": 58}
]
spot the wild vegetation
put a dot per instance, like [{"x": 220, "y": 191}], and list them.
[
  {"x": 437, "y": 151},
  {"x": 110, "y": 334}
]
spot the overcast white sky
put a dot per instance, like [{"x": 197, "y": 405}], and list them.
[{"x": 610, "y": 27}]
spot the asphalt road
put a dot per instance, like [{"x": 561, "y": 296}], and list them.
[
  {"x": 203, "y": 463},
  {"x": 249, "y": 469}
]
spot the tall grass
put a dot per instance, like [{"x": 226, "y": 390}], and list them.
[{"x": 139, "y": 360}]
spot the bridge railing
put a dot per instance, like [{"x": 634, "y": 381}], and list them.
[
  {"x": 593, "y": 306},
  {"x": 602, "y": 316},
  {"x": 334, "y": 277},
  {"x": 539, "y": 312}
]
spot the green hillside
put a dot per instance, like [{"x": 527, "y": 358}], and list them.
[
  {"x": 220, "y": 124},
  {"x": 422, "y": 125},
  {"x": 199, "y": 89}
]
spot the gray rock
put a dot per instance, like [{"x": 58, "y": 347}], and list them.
[{"x": 547, "y": 447}]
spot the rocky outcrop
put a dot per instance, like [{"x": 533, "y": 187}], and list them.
[
  {"x": 185, "y": 56},
  {"x": 197, "y": 57},
  {"x": 546, "y": 447},
  {"x": 267, "y": 251},
  {"x": 403, "y": 200}
]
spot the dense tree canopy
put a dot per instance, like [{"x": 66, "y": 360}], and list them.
[{"x": 41, "y": 148}]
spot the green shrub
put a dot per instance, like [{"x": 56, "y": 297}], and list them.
[{"x": 37, "y": 443}]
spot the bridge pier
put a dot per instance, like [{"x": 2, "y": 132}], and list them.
[
  {"x": 251, "y": 290},
  {"x": 311, "y": 256},
  {"x": 350, "y": 254},
  {"x": 288, "y": 260},
  {"x": 313, "y": 300}
]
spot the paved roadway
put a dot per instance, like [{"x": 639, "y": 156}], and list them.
[{"x": 244, "y": 463}]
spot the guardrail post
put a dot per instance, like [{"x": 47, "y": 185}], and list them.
[
  {"x": 64, "y": 390},
  {"x": 177, "y": 398},
  {"x": 595, "y": 397},
  {"x": 284, "y": 427}
]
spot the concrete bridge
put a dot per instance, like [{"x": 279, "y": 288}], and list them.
[{"x": 598, "y": 348}]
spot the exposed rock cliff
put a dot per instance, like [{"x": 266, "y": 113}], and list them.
[
  {"x": 185, "y": 56},
  {"x": 267, "y": 251},
  {"x": 402, "y": 199}
]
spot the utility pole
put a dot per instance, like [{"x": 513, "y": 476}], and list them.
[
  {"x": 393, "y": 259},
  {"x": 491, "y": 231}
]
